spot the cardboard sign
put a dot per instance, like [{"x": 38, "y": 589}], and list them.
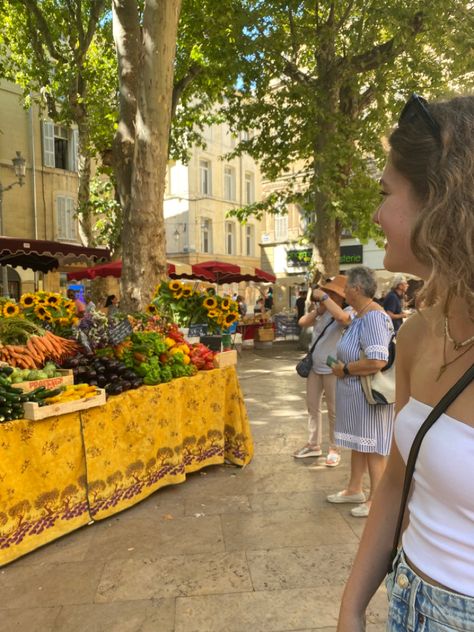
[
  {"x": 118, "y": 333},
  {"x": 197, "y": 330}
]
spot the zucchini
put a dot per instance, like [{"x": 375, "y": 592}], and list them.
[{"x": 11, "y": 397}]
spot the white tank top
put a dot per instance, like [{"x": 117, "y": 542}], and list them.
[{"x": 439, "y": 539}]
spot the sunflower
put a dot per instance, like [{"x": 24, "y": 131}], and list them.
[
  {"x": 210, "y": 302},
  {"x": 187, "y": 291},
  {"x": 174, "y": 286},
  {"x": 47, "y": 318},
  {"x": 225, "y": 304},
  {"x": 41, "y": 312},
  {"x": 213, "y": 313},
  {"x": 151, "y": 309},
  {"x": 64, "y": 322},
  {"x": 75, "y": 321},
  {"x": 40, "y": 300},
  {"x": 53, "y": 299},
  {"x": 27, "y": 300},
  {"x": 70, "y": 307},
  {"x": 10, "y": 309},
  {"x": 230, "y": 318},
  {"x": 178, "y": 294}
]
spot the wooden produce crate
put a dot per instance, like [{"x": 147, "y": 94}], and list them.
[
  {"x": 64, "y": 379},
  {"x": 226, "y": 358},
  {"x": 35, "y": 412},
  {"x": 264, "y": 334}
]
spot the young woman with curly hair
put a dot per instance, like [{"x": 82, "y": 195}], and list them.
[{"x": 427, "y": 215}]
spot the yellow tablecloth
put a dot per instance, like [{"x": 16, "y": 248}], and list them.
[{"x": 60, "y": 473}]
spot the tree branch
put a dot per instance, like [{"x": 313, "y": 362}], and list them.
[
  {"x": 42, "y": 25},
  {"x": 182, "y": 84},
  {"x": 292, "y": 71},
  {"x": 379, "y": 55},
  {"x": 293, "y": 35}
]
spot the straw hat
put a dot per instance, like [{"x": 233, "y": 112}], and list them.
[{"x": 336, "y": 285}]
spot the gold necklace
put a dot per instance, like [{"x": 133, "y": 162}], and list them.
[
  {"x": 445, "y": 364},
  {"x": 457, "y": 345}
]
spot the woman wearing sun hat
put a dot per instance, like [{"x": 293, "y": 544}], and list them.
[{"x": 328, "y": 320}]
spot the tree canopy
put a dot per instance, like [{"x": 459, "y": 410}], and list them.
[{"x": 320, "y": 85}]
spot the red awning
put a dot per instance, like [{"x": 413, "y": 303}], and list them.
[
  {"x": 231, "y": 273},
  {"x": 114, "y": 268},
  {"x": 44, "y": 256}
]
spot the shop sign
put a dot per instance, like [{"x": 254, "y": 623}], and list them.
[{"x": 351, "y": 255}]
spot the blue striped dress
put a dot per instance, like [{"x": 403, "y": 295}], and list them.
[{"x": 359, "y": 425}]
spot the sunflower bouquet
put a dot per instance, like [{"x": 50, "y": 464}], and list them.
[
  {"x": 46, "y": 308},
  {"x": 183, "y": 305}
]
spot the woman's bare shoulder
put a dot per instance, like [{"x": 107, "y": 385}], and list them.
[{"x": 420, "y": 325}]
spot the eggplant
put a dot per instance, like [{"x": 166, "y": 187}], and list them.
[
  {"x": 115, "y": 389},
  {"x": 112, "y": 377},
  {"x": 129, "y": 375},
  {"x": 126, "y": 386},
  {"x": 101, "y": 380},
  {"x": 92, "y": 374},
  {"x": 137, "y": 382}
]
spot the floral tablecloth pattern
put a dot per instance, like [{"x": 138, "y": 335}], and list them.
[
  {"x": 42, "y": 483},
  {"x": 60, "y": 473}
]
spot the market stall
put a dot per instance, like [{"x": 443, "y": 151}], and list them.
[
  {"x": 97, "y": 413},
  {"x": 61, "y": 473}
]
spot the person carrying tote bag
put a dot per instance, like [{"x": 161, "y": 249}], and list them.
[{"x": 328, "y": 320}]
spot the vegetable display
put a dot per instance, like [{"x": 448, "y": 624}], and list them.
[{"x": 28, "y": 346}]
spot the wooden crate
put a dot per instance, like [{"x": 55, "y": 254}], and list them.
[
  {"x": 226, "y": 358},
  {"x": 264, "y": 334},
  {"x": 65, "y": 378},
  {"x": 35, "y": 412}
]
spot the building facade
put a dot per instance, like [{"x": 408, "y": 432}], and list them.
[{"x": 44, "y": 207}]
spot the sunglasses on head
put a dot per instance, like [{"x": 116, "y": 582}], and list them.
[{"x": 417, "y": 105}]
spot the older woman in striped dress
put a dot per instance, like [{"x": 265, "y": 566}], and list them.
[{"x": 365, "y": 428}]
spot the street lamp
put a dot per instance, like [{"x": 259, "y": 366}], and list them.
[{"x": 19, "y": 165}]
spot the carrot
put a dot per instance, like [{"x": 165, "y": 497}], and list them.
[{"x": 34, "y": 351}]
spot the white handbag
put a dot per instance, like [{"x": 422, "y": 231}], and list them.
[{"x": 379, "y": 388}]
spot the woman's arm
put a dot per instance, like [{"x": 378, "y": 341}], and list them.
[
  {"x": 370, "y": 565},
  {"x": 359, "y": 367},
  {"x": 333, "y": 308}
]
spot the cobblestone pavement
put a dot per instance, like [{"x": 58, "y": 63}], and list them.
[{"x": 230, "y": 550}]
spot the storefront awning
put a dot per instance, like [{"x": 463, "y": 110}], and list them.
[
  {"x": 114, "y": 269},
  {"x": 44, "y": 256}
]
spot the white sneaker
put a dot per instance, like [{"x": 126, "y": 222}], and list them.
[
  {"x": 308, "y": 450},
  {"x": 362, "y": 511},
  {"x": 333, "y": 459}
]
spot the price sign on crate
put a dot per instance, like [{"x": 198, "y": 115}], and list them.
[
  {"x": 197, "y": 330},
  {"x": 118, "y": 333}
]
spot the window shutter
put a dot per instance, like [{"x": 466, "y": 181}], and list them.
[
  {"x": 74, "y": 150},
  {"x": 61, "y": 217},
  {"x": 72, "y": 220},
  {"x": 48, "y": 144}
]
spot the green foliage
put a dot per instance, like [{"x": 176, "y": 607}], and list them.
[
  {"x": 103, "y": 206},
  {"x": 321, "y": 84}
]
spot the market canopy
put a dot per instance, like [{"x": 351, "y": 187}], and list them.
[
  {"x": 44, "y": 256},
  {"x": 231, "y": 273},
  {"x": 114, "y": 268}
]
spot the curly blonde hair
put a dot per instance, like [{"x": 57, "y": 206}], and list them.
[{"x": 442, "y": 176}]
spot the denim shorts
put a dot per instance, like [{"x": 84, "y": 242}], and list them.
[{"x": 416, "y": 606}]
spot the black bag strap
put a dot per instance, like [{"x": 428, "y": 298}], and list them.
[
  {"x": 435, "y": 414},
  {"x": 313, "y": 346}
]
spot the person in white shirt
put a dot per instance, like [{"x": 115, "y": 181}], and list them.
[{"x": 328, "y": 320}]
